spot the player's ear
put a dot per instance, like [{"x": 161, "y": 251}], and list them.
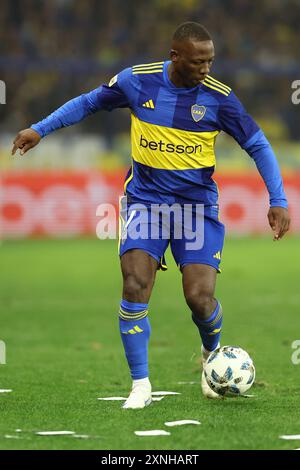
[{"x": 174, "y": 55}]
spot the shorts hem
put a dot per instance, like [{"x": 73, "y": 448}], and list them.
[
  {"x": 153, "y": 255},
  {"x": 185, "y": 263}
]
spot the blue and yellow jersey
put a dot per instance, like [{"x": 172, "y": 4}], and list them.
[{"x": 173, "y": 132}]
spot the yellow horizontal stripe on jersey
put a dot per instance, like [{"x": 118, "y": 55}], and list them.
[
  {"x": 171, "y": 149},
  {"x": 209, "y": 85},
  {"x": 216, "y": 82},
  {"x": 136, "y": 69},
  {"x": 153, "y": 64},
  {"x": 211, "y": 82},
  {"x": 147, "y": 71}
]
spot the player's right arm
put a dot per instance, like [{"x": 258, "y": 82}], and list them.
[{"x": 107, "y": 97}]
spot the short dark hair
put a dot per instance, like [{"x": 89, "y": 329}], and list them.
[{"x": 191, "y": 30}]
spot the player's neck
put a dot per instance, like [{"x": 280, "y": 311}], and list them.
[{"x": 176, "y": 79}]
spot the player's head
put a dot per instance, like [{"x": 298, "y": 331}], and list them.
[{"x": 192, "y": 53}]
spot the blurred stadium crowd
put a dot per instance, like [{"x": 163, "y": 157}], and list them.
[
  {"x": 51, "y": 51},
  {"x": 54, "y": 50}
]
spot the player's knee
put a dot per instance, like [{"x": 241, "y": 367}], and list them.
[
  {"x": 201, "y": 303},
  {"x": 135, "y": 288}
]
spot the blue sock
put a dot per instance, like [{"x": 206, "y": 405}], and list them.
[
  {"x": 135, "y": 333},
  {"x": 210, "y": 329}
]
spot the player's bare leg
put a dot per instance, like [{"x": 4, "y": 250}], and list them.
[
  {"x": 138, "y": 271},
  {"x": 199, "y": 281}
]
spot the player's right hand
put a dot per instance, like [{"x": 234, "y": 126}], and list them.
[{"x": 25, "y": 140}]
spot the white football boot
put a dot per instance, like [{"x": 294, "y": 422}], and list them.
[
  {"x": 206, "y": 390},
  {"x": 140, "y": 395}
]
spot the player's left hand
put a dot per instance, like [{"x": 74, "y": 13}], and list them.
[{"x": 279, "y": 221}]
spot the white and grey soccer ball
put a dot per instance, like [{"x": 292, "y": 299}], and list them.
[{"x": 229, "y": 371}]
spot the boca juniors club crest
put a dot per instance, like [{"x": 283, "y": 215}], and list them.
[{"x": 197, "y": 112}]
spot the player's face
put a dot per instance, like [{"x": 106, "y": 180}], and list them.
[{"x": 191, "y": 61}]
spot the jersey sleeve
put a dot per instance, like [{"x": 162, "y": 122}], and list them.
[
  {"x": 235, "y": 121},
  {"x": 114, "y": 94},
  {"x": 106, "y": 97}
]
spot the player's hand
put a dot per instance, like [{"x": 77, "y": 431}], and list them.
[
  {"x": 279, "y": 221},
  {"x": 25, "y": 140}
]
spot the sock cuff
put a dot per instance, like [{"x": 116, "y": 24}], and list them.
[
  {"x": 213, "y": 319},
  {"x": 133, "y": 306},
  {"x": 132, "y": 311}
]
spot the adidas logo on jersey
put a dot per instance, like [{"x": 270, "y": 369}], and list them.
[
  {"x": 149, "y": 104},
  {"x": 217, "y": 255}
]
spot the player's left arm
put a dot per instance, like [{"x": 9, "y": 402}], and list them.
[{"x": 234, "y": 120}]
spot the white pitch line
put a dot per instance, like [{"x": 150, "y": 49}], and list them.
[
  {"x": 154, "y": 432},
  {"x": 55, "y": 433},
  {"x": 112, "y": 399},
  {"x": 182, "y": 422}
]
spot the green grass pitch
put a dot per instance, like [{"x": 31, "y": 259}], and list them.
[{"x": 59, "y": 303}]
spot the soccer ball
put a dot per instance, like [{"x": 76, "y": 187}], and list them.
[{"x": 229, "y": 371}]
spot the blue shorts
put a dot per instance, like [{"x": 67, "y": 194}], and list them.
[{"x": 194, "y": 232}]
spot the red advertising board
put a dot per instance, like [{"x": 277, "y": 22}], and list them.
[{"x": 64, "y": 204}]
